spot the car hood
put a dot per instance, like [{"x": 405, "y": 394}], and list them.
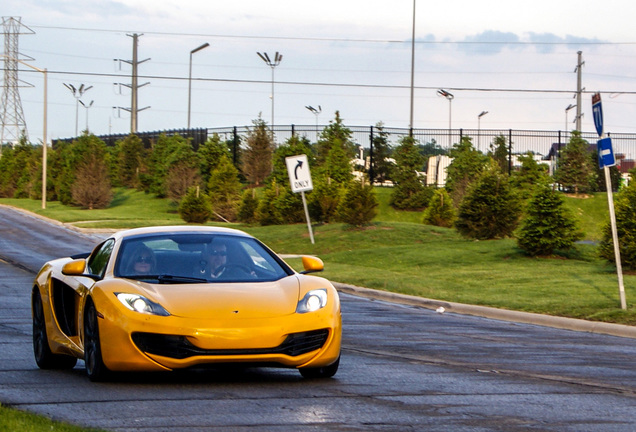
[{"x": 250, "y": 300}]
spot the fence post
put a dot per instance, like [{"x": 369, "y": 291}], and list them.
[
  {"x": 234, "y": 146},
  {"x": 509, "y": 151}
]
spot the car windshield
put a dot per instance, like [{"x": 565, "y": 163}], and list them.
[{"x": 197, "y": 258}]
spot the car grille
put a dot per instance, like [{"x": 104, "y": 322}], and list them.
[{"x": 179, "y": 347}]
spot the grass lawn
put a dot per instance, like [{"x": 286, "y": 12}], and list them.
[{"x": 398, "y": 253}]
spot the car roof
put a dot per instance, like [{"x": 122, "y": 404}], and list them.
[{"x": 179, "y": 229}]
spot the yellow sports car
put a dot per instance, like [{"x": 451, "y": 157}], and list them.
[{"x": 165, "y": 298}]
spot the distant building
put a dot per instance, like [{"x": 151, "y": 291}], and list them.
[{"x": 436, "y": 170}]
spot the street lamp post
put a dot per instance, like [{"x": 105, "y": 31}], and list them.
[
  {"x": 199, "y": 48},
  {"x": 316, "y": 113},
  {"x": 77, "y": 94},
  {"x": 481, "y": 114},
  {"x": 271, "y": 63},
  {"x": 44, "y": 122},
  {"x": 449, "y": 96},
  {"x": 87, "y": 106}
]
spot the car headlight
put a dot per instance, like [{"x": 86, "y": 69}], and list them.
[
  {"x": 141, "y": 304},
  {"x": 313, "y": 300}
]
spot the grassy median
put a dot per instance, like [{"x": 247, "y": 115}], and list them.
[{"x": 398, "y": 253}]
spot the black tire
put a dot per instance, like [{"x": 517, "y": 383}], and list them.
[
  {"x": 93, "y": 361},
  {"x": 321, "y": 372},
  {"x": 41, "y": 349}
]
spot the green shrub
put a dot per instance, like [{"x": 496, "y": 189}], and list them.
[
  {"x": 490, "y": 209},
  {"x": 247, "y": 207},
  {"x": 625, "y": 210},
  {"x": 440, "y": 211},
  {"x": 359, "y": 205},
  {"x": 548, "y": 225},
  {"x": 195, "y": 207}
]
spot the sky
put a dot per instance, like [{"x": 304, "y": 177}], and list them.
[{"x": 515, "y": 60}]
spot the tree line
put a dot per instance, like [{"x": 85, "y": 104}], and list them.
[{"x": 483, "y": 198}]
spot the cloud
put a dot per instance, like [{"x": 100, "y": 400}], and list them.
[{"x": 488, "y": 42}]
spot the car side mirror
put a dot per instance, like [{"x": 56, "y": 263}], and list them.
[
  {"x": 76, "y": 268},
  {"x": 312, "y": 264}
]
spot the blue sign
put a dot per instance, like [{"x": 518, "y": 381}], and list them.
[
  {"x": 597, "y": 112},
  {"x": 605, "y": 153}
]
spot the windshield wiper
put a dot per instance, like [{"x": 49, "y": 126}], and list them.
[{"x": 168, "y": 279}]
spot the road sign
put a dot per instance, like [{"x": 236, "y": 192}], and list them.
[
  {"x": 299, "y": 175},
  {"x": 300, "y": 180},
  {"x": 597, "y": 112},
  {"x": 605, "y": 153}
]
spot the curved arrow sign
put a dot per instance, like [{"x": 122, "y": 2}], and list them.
[{"x": 299, "y": 175}]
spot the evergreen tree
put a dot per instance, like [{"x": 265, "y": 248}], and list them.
[
  {"x": 381, "y": 153},
  {"x": 91, "y": 187},
  {"x": 130, "y": 154},
  {"x": 210, "y": 154},
  {"x": 574, "y": 171},
  {"x": 195, "y": 207},
  {"x": 257, "y": 157},
  {"x": 335, "y": 134},
  {"x": 490, "y": 209},
  {"x": 324, "y": 199},
  {"x": 625, "y": 211},
  {"x": 224, "y": 190},
  {"x": 267, "y": 213},
  {"x": 467, "y": 163},
  {"x": 173, "y": 168},
  {"x": 529, "y": 176},
  {"x": 247, "y": 208},
  {"x": 548, "y": 225},
  {"x": 358, "y": 205},
  {"x": 337, "y": 166},
  {"x": 409, "y": 193},
  {"x": 499, "y": 152},
  {"x": 440, "y": 210}
]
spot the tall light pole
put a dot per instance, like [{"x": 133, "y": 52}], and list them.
[
  {"x": 481, "y": 114},
  {"x": 412, "y": 70},
  {"x": 449, "y": 96},
  {"x": 44, "y": 120},
  {"x": 199, "y": 48},
  {"x": 77, "y": 92},
  {"x": 316, "y": 112},
  {"x": 87, "y": 106},
  {"x": 271, "y": 63}
]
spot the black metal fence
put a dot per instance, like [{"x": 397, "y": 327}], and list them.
[{"x": 544, "y": 143}]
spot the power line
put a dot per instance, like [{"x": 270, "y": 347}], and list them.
[
  {"x": 323, "y": 39},
  {"x": 345, "y": 85}
]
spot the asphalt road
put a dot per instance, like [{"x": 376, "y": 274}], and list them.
[{"x": 404, "y": 367}]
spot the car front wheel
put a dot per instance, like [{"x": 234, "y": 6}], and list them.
[{"x": 321, "y": 372}]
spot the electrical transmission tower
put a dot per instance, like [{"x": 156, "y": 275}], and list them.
[{"x": 11, "y": 114}]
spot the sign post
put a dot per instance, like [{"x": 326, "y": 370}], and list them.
[
  {"x": 300, "y": 180},
  {"x": 605, "y": 160}
]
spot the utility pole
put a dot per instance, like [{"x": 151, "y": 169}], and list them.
[
  {"x": 134, "y": 86},
  {"x": 579, "y": 89}
]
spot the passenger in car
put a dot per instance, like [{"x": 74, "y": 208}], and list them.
[{"x": 142, "y": 261}]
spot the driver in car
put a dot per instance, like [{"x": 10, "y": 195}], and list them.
[{"x": 217, "y": 259}]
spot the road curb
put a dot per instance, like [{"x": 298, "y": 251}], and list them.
[{"x": 493, "y": 313}]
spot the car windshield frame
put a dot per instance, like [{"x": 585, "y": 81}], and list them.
[{"x": 190, "y": 257}]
